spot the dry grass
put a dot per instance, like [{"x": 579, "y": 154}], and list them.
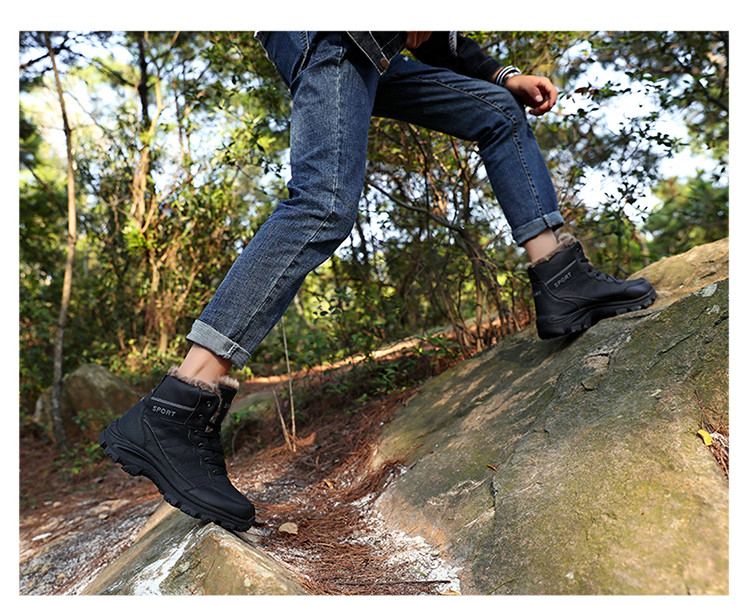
[
  {"x": 717, "y": 425},
  {"x": 325, "y": 487}
]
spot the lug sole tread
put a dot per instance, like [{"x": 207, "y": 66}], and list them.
[
  {"x": 169, "y": 495},
  {"x": 591, "y": 317}
]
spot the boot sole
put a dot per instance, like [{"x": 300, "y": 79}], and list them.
[
  {"x": 136, "y": 463},
  {"x": 555, "y": 327}
]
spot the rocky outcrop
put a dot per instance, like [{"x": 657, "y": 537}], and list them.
[
  {"x": 573, "y": 466},
  {"x": 178, "y": 555},
  {"x": 569, "y": 466},
  {"x": 91, "y": 396}
]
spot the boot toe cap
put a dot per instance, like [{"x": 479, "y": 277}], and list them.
[
  {"x": 231, "y": 502},
  {"x": 638, "y": 288}
]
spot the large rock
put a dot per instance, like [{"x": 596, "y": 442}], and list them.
[
  {"x": 569, "y": 466},
  {"x": 573, "y": 466},
  {"x": 91, "y": 397},
  {"x": 178, "y": 555}
]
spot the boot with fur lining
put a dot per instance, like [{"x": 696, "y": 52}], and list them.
[
  {"x": 570, "y": 295},
  {"x": 563, "y": 241},
  {"x": 172, "y": 436}
]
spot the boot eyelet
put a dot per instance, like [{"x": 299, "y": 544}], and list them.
[{"x": 200, "y": 445}]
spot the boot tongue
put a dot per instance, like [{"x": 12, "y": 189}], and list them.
[
  {"x": 579, "y": 251},
  {"x": 227, "y": 391},
  {"x": 213, "y": 427},
  {"x": 226, "y": 395}
]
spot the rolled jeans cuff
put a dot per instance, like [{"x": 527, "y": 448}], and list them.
[
  {"x": 206, "y": 336},
  {"x": 523, "y": 233}
]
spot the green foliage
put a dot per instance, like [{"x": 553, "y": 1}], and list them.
[
  {"x": 142, "y": 367},
  {"x": 612, "y": 241},
  {"x": 688, "y": 71},
  {"x": 93, "y": 420},
  {"x": 690, "y": 214},
  {"x": 179, "y": 147},
  {"x": 80, "y": 458}
]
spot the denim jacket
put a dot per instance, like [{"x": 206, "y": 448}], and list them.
[{"x": 442, "y": 49}]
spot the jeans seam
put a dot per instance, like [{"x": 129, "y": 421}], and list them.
[
  {"x": 322, "y": 222},
  {"x": 231, "y": 349},
  {"x": 515, "y": 132},
  {"x": 546, "y": 219}
]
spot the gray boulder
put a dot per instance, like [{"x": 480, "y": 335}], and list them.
[
  {"x": 573, "y": 466},
  {"x": 569, "y": 466},
  {"x": 91, "y": 396},
  {"x": 178, "y": 555}
]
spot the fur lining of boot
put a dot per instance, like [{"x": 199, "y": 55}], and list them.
[
  {"x": 563, "y": 241},
  {"x": 213, "y": 388},
  {"x": 229, "y": 382}
]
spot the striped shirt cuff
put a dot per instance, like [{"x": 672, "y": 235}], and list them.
[{"x": 505, "y": 73}]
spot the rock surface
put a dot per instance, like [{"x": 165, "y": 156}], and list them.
[
  {"x": 569, "y": 466},
  {"x": 573, "y": 466},
  {"x": 91, "y": 397},
  {"x": 178, "y": 555}
]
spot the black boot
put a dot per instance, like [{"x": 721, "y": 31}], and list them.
[
  {"x": 570, "y": 295},
  {"x": 172, "y": 436}
]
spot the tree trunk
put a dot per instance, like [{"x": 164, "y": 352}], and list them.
[{"x": 58, "y": 429}]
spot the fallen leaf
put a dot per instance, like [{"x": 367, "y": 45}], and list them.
[
  {"x": 327, "y": 483},
  {"x": 492, "y": 467},
  {"x": 707, "y": 440},
  {"x": 449, "y": 592},
  {"x": 288, "y": 527}
]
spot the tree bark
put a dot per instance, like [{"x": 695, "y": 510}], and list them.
[{"x": 58, "y": 428}]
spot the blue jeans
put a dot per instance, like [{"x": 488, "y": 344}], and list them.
[{"x": 335, "y": 91}]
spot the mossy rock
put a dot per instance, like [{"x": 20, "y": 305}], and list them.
[
  {"x": 573, "y": 466},
  {"x": 91, "y": 397},
  {"x": 178, "y": 555}
]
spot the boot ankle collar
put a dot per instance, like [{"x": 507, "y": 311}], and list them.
[
  {"x": 229, "y": 382},
  {"x": 563, "y": 241},
  {"x": 213, "y": 388}
]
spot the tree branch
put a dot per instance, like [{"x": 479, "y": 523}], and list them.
[{"x": 439, "y": 219}]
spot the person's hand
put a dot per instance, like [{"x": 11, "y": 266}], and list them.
[
  {"x": 415, "y": 38},
  {"x": 535, "y": 91}
]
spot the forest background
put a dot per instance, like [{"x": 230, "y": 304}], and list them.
[{"x": 149, "y": 159}]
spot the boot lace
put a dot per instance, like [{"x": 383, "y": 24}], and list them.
[
  {"x": 209, "y": 445},
  {"x": 588, "y": 267}
]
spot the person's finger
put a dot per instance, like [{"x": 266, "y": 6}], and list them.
[
  {"x": 548, "y": 91},
  {"x": 545, "y": 96},
  {"x": 542, "y": 107}
]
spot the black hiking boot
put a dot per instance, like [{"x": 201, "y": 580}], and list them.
[
  {"x": 570, "y": 295},
  {"x": 172, "y": 436}
]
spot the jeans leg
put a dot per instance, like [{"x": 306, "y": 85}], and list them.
[
  {"x": 479, "y": 111},
  {"x": 332, "y": 104}
]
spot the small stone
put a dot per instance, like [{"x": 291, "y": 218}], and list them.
[
  {"x": 40, "y": 537},
  {"x": 288, "y": 527}
]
